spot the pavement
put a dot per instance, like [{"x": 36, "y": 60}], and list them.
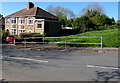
[
  {"x": 49, "y": 47},
  {"x": 26, "y": 64}
]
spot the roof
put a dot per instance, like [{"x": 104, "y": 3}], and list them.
[
  {"x": 35, "y": 11},
  {"x": 118, "y": 21}
]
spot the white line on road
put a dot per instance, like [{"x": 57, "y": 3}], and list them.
[
  {"x": 93, "y": 66},
  {"x": 19, "y": 58}
]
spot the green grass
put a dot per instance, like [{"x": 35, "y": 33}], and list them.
[
  {"x": 0, "y": 32},
  {"x": 110, "y": 38}
]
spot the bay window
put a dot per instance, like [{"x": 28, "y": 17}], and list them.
[
  {"x": 22, "y": 21},
  {"x": 21, "y": 31},
  {"x": 13, "y": 20},
  {"x": 13, "y": 31},
  {"x": 30, "y": 20},
  {"x": 7, "y": 20}
]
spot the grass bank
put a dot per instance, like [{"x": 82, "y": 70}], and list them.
[
  {"x": 110, "y": 38},
  {"x": 0, "y": 32}
]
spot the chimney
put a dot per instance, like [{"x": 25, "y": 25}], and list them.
[{"x": 30, "y": 5}]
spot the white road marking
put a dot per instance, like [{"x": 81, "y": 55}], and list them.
[
  {"x": 93, "y": 66},
  {"x": 19, "y": 58}
]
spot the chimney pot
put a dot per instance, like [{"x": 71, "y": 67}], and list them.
[{"x": 30, "y": 5}]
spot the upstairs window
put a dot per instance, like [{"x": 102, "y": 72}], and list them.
[
  {"x": 40, "y": 24},
  {"x": 7, "y": 20},
  {"x": 30, "y": 20},
  {"x": 21, "y": 21},
  {"x": 13, "y": 20}
]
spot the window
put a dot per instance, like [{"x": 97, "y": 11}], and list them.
[
  {"x": 40, "y": 24},
  {"x": 13, "y": 20},
  {"x": 21, "y": 31},
  {"x": 30, "y": 20},
  {"x": 13, "y": 31},
  {"x": 7, "y": 20},
  {"x": 21, "y": 21}
]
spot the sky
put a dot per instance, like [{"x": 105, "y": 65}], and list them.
[{"x": 109, "y": 8}]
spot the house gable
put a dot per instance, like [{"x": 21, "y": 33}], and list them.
[{"x": 34, "y": 19}]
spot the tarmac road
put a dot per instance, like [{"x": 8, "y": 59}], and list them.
[{"x": 35, "y": 65}]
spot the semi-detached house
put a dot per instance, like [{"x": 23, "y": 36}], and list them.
[{"x": 32, "y": 20}]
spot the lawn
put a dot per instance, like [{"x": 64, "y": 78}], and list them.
[
  {"x": 110, "y": 38},
  {"x": 0, "y": 32}
]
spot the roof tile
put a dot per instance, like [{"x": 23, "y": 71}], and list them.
[{"x": 35, "y": 11}]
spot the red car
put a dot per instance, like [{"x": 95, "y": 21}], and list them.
[{"x": 10, "y": 38}]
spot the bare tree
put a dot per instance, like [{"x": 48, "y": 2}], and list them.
[
  {"x": 97, "y": 7},
  {"x": 93, "y": 7},
  {"x": 58, "y": 10}
]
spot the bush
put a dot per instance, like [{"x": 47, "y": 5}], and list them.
[
  {"x": 19, "y": 39},
  {"x": 4, "y": 35},
  {"x": 101, "y": 28},
  {"x": 36, "y": 35},
  {"x": 114, "y": 26},
  {"x": 108, "y": 27},
  {"x": 22, "y": 35}
]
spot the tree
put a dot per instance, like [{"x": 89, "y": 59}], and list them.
[
  {"x": 104, "y": 20},
  {"x": 62, "y": 19},
  {"x": 101, "y": 20},
  {"x": 62, "y": 13},
  {"x": 83, "y": 24},
  {"x": 92, "y": 9},
  {"x": 113, "y": 20},
  {"x": 70, "y": 22},
  {"x": 58, "y": 10},
  {"x": 95, "y": 13}
]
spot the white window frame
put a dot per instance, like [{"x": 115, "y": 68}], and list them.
[
  {"x": 21, "y": 21},
  {"x": 11, "y": 31},
  {"x": 22, "y": 31},
  {"x": 13, "y": 21},
  {"x": 7, "y": 21},
  {"x": 39, "y": 22},
  {"x": 30, "y": 19},
  {"x": 29, "y": 31}
]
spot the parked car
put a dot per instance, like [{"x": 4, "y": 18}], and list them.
[{"x": 10, "y": 38}]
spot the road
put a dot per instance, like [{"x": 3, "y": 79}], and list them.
[{"x": 35, "y": 65}]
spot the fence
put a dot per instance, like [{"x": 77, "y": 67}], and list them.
[{"x": 64, "y": 41}]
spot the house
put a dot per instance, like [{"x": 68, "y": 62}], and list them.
[
  {"x": 32, "y": 20},
  {"x": 118, "y": 21},
  {"x": 2, "y": 22}
]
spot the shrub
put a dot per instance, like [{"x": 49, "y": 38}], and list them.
[
  {"x": 18, "y": 39},
  {"x": 101, "y": 28},
  {"x": 4, "y": 35},
  {"x": 22, "y": 35},
  {"x": 30, "y": 35},
  {"x": 114, "y": 26},
  {"x": 36, "y": 35},
  {"x": 108, "y": 27}
]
